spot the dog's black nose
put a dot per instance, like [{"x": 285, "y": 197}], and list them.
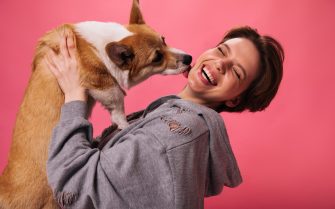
[{"x": 187, "y": 59}]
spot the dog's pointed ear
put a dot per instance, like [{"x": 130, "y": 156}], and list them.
[
  {"x": 136, "y": 16},
  {"x": 120, "y": 54}
]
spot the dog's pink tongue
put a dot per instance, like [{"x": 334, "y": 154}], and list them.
[{"x": 186, "y": 73}]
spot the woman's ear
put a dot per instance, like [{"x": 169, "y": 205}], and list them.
[{"x": 233, "y": 102}]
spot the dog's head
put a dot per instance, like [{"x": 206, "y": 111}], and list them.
[
  {"x": 134, "y": 52},
  {"x": 145, "y": 52}
]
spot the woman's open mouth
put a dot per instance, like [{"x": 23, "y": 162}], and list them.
[{"x": 207, "y": 77}]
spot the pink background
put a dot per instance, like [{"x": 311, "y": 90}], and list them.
[{"x": 286, "y": 153}]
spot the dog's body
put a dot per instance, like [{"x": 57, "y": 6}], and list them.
[{"x": 112, "y": 57}]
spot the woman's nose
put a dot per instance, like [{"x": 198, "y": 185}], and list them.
[{"x": 223, "y": 65}]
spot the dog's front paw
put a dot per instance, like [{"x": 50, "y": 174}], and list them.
[
  {"x": 122, "y": 125},
  {"x": 120, "y": 120}
]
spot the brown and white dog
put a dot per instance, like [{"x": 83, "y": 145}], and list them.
[{"x": 112, "y": 57}]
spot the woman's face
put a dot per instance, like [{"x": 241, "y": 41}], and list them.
[{"x": 221, "y": 74}]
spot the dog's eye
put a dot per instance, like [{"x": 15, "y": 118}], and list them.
[{"x": 158, "y": 57}]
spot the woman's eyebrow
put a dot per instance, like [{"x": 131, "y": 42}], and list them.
[
  {"x": 238, "y": 64},
  {"x": 228, "y": 48}
]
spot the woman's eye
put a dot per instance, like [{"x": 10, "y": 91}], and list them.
[
  {"x": 221, "y": 51},
  {"x": 237, "y": 74},
  {"x": 158, "y": 57}
]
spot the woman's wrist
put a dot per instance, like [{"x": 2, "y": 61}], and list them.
[{"x": 80, "y": 95}]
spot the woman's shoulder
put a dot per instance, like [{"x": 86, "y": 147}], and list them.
[
  {"x": 196, "y": 109},
  {"x": 175, "y": 123},
  {"x": 183, "y": 112}
]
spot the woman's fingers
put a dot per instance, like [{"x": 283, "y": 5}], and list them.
[
  {"x": 63, "y": 46},
  {"x": 50, "y": 62},
  {"x": 71, "y": 45},
  {"x": 68, "y": 45}
]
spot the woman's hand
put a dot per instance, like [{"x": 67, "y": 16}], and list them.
[{"x": 64, "y": 66}]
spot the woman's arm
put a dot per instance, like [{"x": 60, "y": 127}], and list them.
[{"x": 133, "y": 173}]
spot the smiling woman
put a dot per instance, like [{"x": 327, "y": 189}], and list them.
[
  {"x": 221, "y": 74},
  {"x": 243, "y": 72}
]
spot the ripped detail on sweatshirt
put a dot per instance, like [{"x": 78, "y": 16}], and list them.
[
  {"x": 180, "y": 110},
  {"x": 175, "y": 126},
  {"x": 65, "y": 198}
]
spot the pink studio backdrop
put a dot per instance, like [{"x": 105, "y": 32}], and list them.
[{"x": 286, "y": 153}]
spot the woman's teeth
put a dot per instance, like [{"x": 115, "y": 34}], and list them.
[{"x": 206, "y": 74}]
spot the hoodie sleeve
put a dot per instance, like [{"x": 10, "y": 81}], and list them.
[
  {"x": 133, "y": 173},
  {"x": 69, "y": 154}
]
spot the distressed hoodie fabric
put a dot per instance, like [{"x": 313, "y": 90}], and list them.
[{"x": 172, "y": 157}]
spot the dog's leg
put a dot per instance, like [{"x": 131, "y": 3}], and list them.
[
  {"x": 117, "y": 108},
  {"x": 113, "y": 101},
  {"x": 118, "y": 116}
]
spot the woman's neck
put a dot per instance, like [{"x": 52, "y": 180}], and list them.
[{"x": 193, "y": 97}]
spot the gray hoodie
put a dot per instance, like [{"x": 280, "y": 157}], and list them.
[{"x": 172, "y": 157}]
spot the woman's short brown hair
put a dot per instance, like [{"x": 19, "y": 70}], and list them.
[{"x": 264, "y": 88}]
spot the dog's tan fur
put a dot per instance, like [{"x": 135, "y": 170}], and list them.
[{"x": 23, "y": 183}]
